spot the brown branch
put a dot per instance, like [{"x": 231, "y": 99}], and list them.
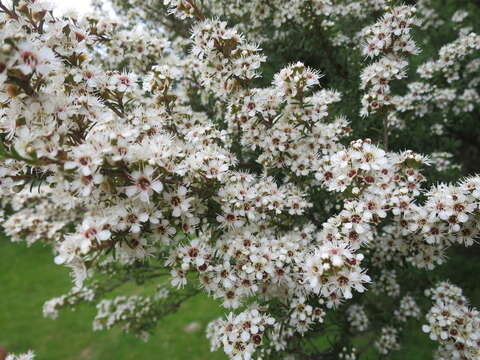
[{"x": 8, "y": 12}]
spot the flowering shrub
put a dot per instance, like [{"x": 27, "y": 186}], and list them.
[{"x": 166, "y": 157}]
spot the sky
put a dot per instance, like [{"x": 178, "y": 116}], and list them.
[{"x": 65, "y": 5}]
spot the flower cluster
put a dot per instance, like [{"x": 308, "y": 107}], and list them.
[
  {"x": 181, "y": 8},
  {"x": 387, "y": 283},
  {"x": 389, "y": 37},
  {"x": 443, "y": 161},
  {"x": 348, "y": 354},
  {"x": 228, "y": 60},
  {"x": 387, "y": 341},
  {"x": 357, "y": 318},
  {"x": 452, "y": 323},
  {"x": 422, "y": 97},
  {"x": 51, "y": 307},
  {"x": 27, "y": 356},
  {"x": 288, "y": 122},
  {"x": 244, "y": 263},
  {"x": 449, "y": 57},
  {"x": 408, "y": 308},
  {"x": 240, "y": 335},
  {"x": 334, "y": 271},
  {"x": 121, "y": 310}
]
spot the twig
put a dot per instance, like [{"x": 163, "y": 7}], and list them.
[
  {"x": 385, "y": 133},
  {"x": 8, "y": 12}
]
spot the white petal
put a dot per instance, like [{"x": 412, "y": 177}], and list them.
[
  {"x": 144, "y": 196},
  {"x": 104, "y": 235},
  {"x": 131, "y": 190},
  {"x": 70, "y": 165},
  {"x": 86, "y": 171},
  {"x": 157, "y": 186}
]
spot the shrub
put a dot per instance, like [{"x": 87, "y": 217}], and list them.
[{"x": 191, "y": 153}]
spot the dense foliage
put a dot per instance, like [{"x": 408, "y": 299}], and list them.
[{"x": 166, "y": 146}]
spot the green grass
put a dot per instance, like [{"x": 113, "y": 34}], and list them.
[{"x": 28, "y": 277}]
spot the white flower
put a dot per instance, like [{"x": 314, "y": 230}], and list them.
[{"x": 144, "y": 185}]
